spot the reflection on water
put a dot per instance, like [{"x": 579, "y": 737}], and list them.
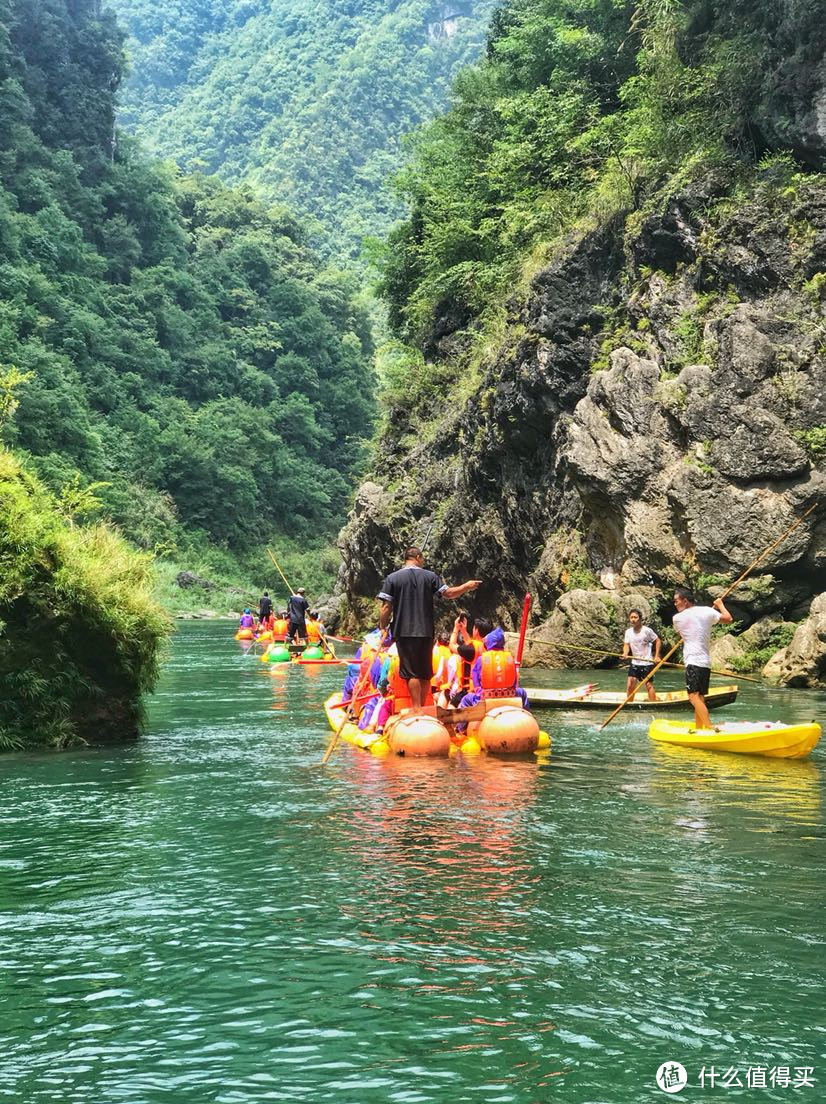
[{"x": 210, "y": 916}]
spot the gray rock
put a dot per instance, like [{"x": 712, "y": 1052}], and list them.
[
  {"x": 803, "y": 662},
  {"x": 328, "y": 608},
  {"x": 187, "y": 579},
  {"x": 586, "y": 618}
]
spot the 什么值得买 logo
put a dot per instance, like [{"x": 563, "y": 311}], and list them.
[{"x": 672, "y": 1077}]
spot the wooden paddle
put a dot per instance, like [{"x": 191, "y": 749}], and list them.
[
  {"x": 723, "y": 597},
  {"x": 618, "y": 655}
]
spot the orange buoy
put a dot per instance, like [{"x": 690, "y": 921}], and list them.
[
  {"x": 417, "y": 734},
  {"x": 244, "y": 634},
  {"x": 507, "y": 730}
]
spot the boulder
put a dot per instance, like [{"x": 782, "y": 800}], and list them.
[
  {"x": 187, "y": 579},
  {"x": 328, "y": 608},
  {"x": 803, "y": 662},
  {"x": 729, "y": 648},
  {"x": 587, "y": 618}
]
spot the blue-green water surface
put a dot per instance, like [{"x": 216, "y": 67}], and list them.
[{"x": 210, "y": 916}]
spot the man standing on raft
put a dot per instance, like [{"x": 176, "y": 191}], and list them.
[
  {"x": 297, "y": 612},
  {"x": 407, "y": 596},
  {"x": 694, "y": 624}
]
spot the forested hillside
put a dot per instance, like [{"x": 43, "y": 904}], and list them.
[
  {"x": 308, "y": 102},
  {"x": 610, "y": 304},
  {"x": 186, "y": 350}
]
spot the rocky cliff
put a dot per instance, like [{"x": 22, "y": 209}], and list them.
[
  {"x": 654, "y": 410},
  {"x": 658, "y": 421}
]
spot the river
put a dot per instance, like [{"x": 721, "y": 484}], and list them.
[{"x": 209, "y": 916}]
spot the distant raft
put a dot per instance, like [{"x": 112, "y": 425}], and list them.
[{"x": 772, "y": 738}]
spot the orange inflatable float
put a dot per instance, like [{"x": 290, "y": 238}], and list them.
[
  {"x": 508, "y": 730},
  {"x": 245, "y": 634},
  {"x": 417, "y": 734}
]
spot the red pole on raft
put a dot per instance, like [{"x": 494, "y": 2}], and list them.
[{"x": 523, "y": 629}]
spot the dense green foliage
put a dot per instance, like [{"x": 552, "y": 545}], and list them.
[
  {"x": 187, "y": 351},
  {"x": 79, "y": 632},
  {"x": 580, "y": 109},
  {"x": 308, "y": 102}
]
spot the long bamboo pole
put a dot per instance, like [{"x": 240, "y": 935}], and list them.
[
  {"x": 723, "y": 597},
  {"x": 618, "y": 655},
  {"x": 290, "y": 590}
]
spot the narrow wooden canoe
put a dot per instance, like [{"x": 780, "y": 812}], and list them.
[
  {"x": 780, "y": 741},
  {"x": 584, "y": 697}
]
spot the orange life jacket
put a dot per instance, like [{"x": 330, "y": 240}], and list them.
[
  {"x": 313, "y": 631},
  {"x": 398, "y": 690},
  {"x": 280, "y": 627},
  {"x": 498, "y": 674}
]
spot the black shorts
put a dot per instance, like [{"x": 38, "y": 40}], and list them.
[
  {"x": 299, "y": 627},
  {"x": 415, "y": 657},
  {"x": 639, "y": 672},
  {"x": 697, "y": 679}
]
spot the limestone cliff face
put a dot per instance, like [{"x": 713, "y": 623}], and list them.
[{"x": 650, "y": 425}]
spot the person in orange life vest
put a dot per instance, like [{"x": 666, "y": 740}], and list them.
[
  {"x": 482, "y": 674},
  {"x": 280, "y": 626},
  {"x": 313, "y": 630},
  {"x": 407, "y": 597},
  {"x": 481, "y": 628}
]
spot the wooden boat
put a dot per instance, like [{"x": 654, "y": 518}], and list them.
[
  {"x": 588, "y": 697},
  {"x": 778, "y": 740}
]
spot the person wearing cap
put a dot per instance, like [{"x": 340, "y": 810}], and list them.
[
  {"x": 407, "y": 598},
  {"x": 297, "y": 613},
  {"x": 247, "y": 620}
]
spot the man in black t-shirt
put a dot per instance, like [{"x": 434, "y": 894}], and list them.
[
  {"x": 407, "y": 597},
  {"x": 297, "y": 612},
  {"x": 264, "y": 606}
]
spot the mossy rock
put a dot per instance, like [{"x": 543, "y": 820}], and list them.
[{"x": 79, "y": 632}]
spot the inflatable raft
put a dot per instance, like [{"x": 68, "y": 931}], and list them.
[
  {"x": 423, "y": 735},
  {"x": 781, "y": 741}
]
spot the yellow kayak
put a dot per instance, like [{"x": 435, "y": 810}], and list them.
[{"x": 781, "y": 741}]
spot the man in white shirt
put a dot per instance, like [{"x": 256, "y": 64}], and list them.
[
  {"x": 642, "y": 646},
  {"x": 694, "y": 624}
]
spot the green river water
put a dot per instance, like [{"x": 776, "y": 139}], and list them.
[{"x": 209, "y": 916}]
